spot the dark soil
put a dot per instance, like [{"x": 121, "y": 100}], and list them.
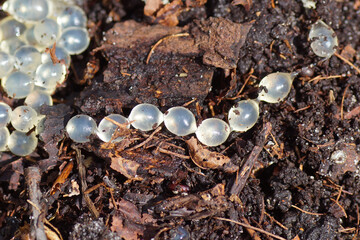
[{"x": 282, "y": 177}]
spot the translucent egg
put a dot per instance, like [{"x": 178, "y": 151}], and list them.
[
  {"x": 146, "y": 117},
  {"x": 40, "y": 127},
  {"x": 11, "y": 45},
  {"x": 46, "y": 32},
  {"x": 243, "y": 115},
  {"x": 75, "y": 40},
  {"x": 21, "y": 144},
  {"x": 213, "y": 132},
  {"x": 323, "y": 39},
  {"x": 28, "y": 10},
  {"x": 60, "y": 53},
  {"x": 6, "y": 64},
  {"x": 4, "y": 138},
  {"x": 72, "y": 16},
  {"x": 180, "y": 121},
  {"x": 17, "y": 84},
  {"x": 38, "y": 98},
  {"x": 80, "y": 128},
  {"x": 276, "y": 87},
  {"x": 24, "y": 118},
  {"x": 106, "y": 128},
  {"x": 27, "y": 59},
  {"x": 29, "y": 37},
  {"x": 48, "y": 75},
  {"x": 5, "y": 114},
  {"x": 10, "y": 27}
]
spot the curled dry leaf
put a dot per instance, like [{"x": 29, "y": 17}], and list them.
[
  {"x": 348, "y": 52},
  {"x": 205, "y": 158},
  {"x": 126, "y": 167},
  {"x": 246, "y": 3}
]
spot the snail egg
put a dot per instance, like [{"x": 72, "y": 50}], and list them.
[
  {"x": 106, "y": 129},
  {"x": 5, "y": 114},
  {"x": 46, "y": 32},
  {"x": 48, "y": 75},
  {"x": 243, "y": 115},
  {"x": 213, "y": 132},
  {"x": 72, "y": 16},
  {"x": 6, "y": 64},
  {"x": 28, "y": 10},
  {"x": 60, "y": 53},
  {"x": 27, "y": 59},
  {"x": 4, "y": 138},
  {"x": 75, "y": 40},
  {"x": 17, "y": 85},
  {"x": 22, "y": 144},
  {"x": 323, "y": 39},
  {"x": 145, "y": 117},
  {"x": 37, "y": 98},
  {"x": 10, "y": 27},
  {"x": 11, "y": 45},
  {"x": 24, "y": 118},
  {"x": 277, "y": 87},
  {"x": 80, "y": 128},
  {"x": 180, "y": 121}
]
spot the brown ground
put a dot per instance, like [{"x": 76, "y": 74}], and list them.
[{"x": 280, "y": 177}]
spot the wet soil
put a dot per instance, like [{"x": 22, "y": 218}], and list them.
[{"x": 294, "y": 175}]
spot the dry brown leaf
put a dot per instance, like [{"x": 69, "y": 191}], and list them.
[
  {"x": 205, "y": 158},
  {"x": 126, "y": 167},
  {"x": 246, "y": 3},
  {"x": 296, "y": 237}
]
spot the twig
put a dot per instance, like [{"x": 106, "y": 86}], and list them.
[
  {"x": 276, "y": 221},
  {"x": 173, "y": 153},
  {"x": 348, "y": 62},
  {"x": 161, "y": 40},
  {"x": 144, "y": 142},
  {"x": 33, "y": 177},
  {"x": 82, "y": 174},
  {"x": 342, "y": 103},
  {"x": 310, "y": 213},
  {"x": 251, "y": 227},
  {"x": 244, "y": 174}
]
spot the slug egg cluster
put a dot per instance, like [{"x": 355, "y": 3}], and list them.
[
  {"x": 28, "y": 71},
  {"x": 181, "y": 122}
]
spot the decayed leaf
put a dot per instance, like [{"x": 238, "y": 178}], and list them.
[
  {"x": 126, "y": 167},
  {"x": 168, "y": 15},
  {"x": 221, "y": 40},
  {"x": 127, "y": 222},
  {"x": 195, "y": 3},
  {"x": 246, "y": 3},
  {"x": 75, "y": 189},
  {"x": 126, "y": 229},
  {"x": 204, "y": 158},
  {"x": 348, "y": 52},
  {"x": 151, "y": 7}
]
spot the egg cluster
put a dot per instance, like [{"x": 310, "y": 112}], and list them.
[
  {"x": 181, "y": 122},
  {"x": 28, "y": 68}
]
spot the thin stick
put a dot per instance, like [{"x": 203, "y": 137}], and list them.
[
  {"x": 33, "y": 177},
  {"x": 342, "y": 103},
  {"x": 251, "y": 227},
  {"x": 144, "y": 142},
  {"x": 310, "y": 213},
  {"x": 348, "y": 62},
  {"x": 173, "y": 153},
  {"x": 161, "y": 40}
]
